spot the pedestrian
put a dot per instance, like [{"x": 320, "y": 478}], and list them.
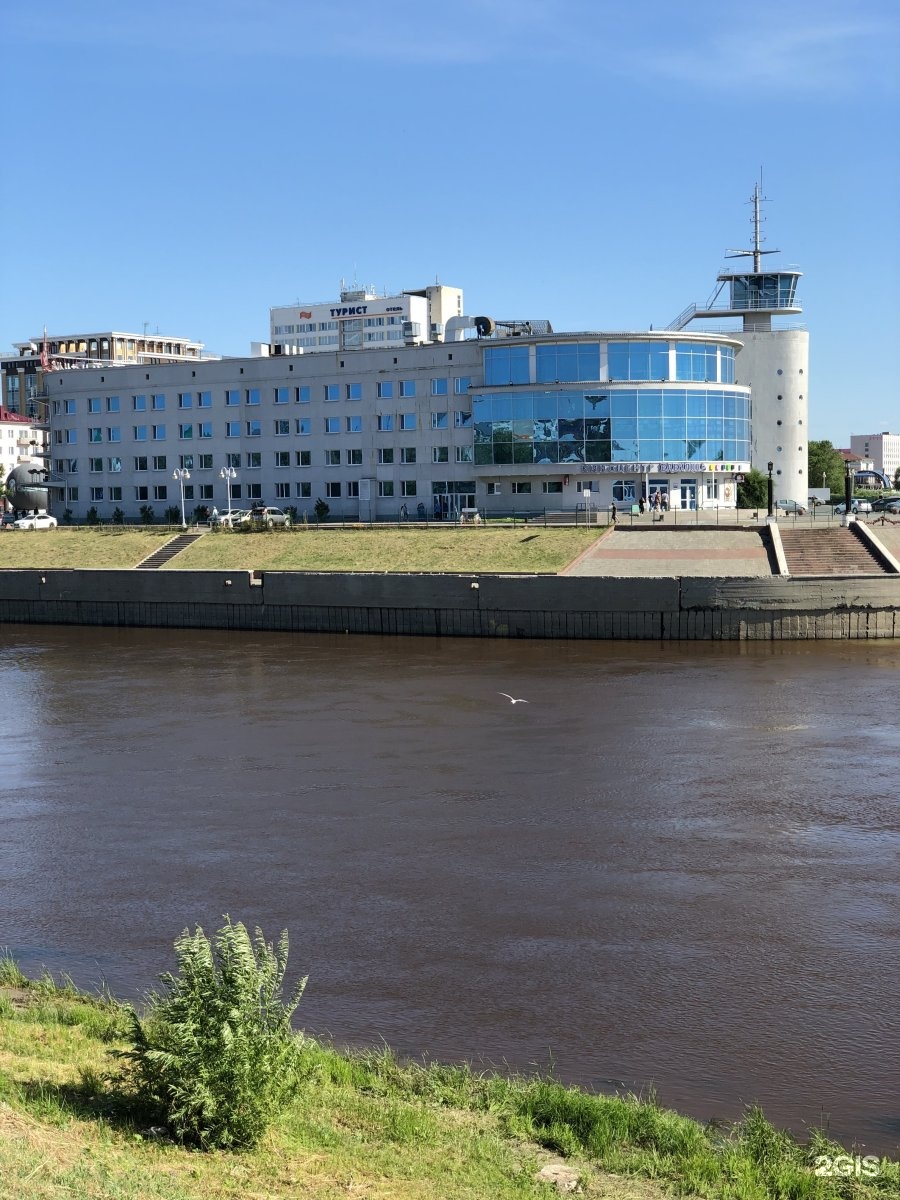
[
  {"x": 665, "y": 502},
  {"x": 642, "y": 504},
  {"x": 613, "y": 512}
]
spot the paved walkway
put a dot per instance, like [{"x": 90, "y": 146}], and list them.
[
  {"x": 887, "y": 533},
  {"x": 654, "y": 552}
]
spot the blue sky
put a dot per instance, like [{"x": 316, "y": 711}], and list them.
[{"x": 190, "y": 165}]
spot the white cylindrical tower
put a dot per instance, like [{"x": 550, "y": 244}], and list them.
[{"x": 773, "y": 362}]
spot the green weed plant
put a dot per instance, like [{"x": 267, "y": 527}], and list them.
[{"x": 215, "y": 1055}]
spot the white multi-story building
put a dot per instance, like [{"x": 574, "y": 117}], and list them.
[
  {"x": 21, "y": 444},
  {"x": 883, "y": 449},
  {"x": 361, "y": 320},
  {"x": 514, "y": 417}
]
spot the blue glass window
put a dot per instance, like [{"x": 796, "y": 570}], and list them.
[
  {"x": 638, "y": 360},
  {"x": 303, "y": 394},
  {"x": 567, "y": 362},
  {"x": 505, "y": 364}
]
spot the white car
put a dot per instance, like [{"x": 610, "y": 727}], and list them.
[
  {"x": 232, "y": 519},
  {"x": 856, "y": 506},
  {"x": 36, "y": 521}
]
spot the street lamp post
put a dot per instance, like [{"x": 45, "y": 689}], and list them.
[
  {"x": 181, "y": 474},
  {"x": 848, "y": 493},
  {"x": 228, "y": 473},
  {"x": 771, "y": 468}
]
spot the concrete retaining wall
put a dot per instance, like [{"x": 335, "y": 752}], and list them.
[{"x": 523, "y": 606}]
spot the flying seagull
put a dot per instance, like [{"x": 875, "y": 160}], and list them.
[{"x": 512, "y": 699}]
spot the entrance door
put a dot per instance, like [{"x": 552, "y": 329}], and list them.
[
  {"x": 658, "y": 487},
  {"x": 446, "y": 505},
  {"x": 688, "y": 493}
]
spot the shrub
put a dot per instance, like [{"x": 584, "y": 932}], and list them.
[
  {"x": 172, "y": 515},
  {"x": 147, "y": 514},
  {"x": 92, "y": 516},
  {"x": 321, "y": 509},
  {"x": 215, "y": 1055},
  {"x": 118, "y": 517}
]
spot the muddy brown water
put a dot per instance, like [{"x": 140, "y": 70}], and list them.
[{"x": 677, "y": 865}]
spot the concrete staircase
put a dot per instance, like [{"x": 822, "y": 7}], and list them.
[
  {"x": 833, "y": 551},
  {"x": 161, "y": 556}
]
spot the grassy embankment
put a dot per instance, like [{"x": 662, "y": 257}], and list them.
[
  {"x": 414, "y": 549},
  {"x": 364, "y": 1125}
]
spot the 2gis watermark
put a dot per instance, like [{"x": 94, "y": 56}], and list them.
[{"x": 830, "y": 1166}]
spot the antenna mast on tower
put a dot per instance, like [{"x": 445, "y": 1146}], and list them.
[{"x": 757, "y": 252}]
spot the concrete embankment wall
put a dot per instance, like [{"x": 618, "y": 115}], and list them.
[{"x": 523, "y": 606}]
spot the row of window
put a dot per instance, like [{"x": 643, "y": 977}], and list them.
[
  {"x": 572, "y": 362},
  {"x": 623, "y": 490},
  {"x": 385, "y": 389},
  {"x": 323, "y": 326},
  {"x": 302, "y": 427},
  {"x": 252, "y": 460},
  {"x": 253, "y": 491}
]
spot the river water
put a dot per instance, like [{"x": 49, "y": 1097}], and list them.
[{"x": 676, "y": 865}]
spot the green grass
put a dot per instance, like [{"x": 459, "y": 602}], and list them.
[
  {"x": 366, "y": 1124},
  {"x": 80, "y": 547},
  {"x": 464, "y": 548},
  {"x": 525, "y": 548}
]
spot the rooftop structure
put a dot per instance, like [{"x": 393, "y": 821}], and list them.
[
  {"x": 59, "y": 351},
  {"x": 360, "y": 319}
]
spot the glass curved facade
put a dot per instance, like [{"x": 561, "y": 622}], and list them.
[
  {"x": 580, "y": 362},
  {"x": 612, "y": 425}
]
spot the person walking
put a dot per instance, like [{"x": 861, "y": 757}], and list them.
[{"x": 613, "y": 512}]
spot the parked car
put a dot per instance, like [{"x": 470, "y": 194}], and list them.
[
  {"x": 36, "y": 521},
  {"x": 856, "y": 506},
  {"x": 886, "y": 504},
  {"x": 8, "y": 521},
  {"x": 790, "y": 506},
  {"x": 269, "y": 517},
  {"x": 230, "y": 520}
]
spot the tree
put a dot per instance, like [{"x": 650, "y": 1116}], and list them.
[
  {"x": 754, "y": 491},
  {"x": 118, "y": 517},
  {"x": 826, "y": 467},
  {"x": 321, "y": 509},
  {"x": 147, "y": 514}
]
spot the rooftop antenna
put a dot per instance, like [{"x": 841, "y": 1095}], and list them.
[{"x": 756, "y": 199}]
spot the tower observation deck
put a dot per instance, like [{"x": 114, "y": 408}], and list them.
[{"x": 755, "y": 296}]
